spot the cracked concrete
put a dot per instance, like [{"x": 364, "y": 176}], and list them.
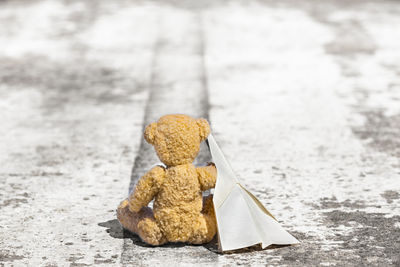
[{"x": 302, "y": 96}]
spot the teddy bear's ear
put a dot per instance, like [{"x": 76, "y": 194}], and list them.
[
  {"x": 149, "y": 132},
  {"x": 204, "y": 128}
]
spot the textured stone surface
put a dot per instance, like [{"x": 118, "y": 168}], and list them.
[{"x": 302, "y": 96}]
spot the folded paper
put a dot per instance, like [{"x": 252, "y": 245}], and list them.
[{"x": 241, "y": 218}]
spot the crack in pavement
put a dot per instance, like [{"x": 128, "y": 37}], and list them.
[{"x": 178, "y": 84}]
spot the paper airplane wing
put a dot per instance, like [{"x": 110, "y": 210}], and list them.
[{"x": 242, "y": 220}]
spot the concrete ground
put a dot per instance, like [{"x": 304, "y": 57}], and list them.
[{"x": 303, "y": 97}]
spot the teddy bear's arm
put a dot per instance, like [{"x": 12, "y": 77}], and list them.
[
  {"x": 146, "y": 188},
  {"x": 207, "y": 176}
]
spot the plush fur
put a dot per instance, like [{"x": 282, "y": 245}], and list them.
[{"x": 180, "y": 214}]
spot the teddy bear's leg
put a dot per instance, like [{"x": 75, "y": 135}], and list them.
[
  {"x": 127, "y": 218},
  {"x": 141, "y": 223},
  {"x": 207, "y": 225},
  {"x": 149, "y": 231},
  {"x": 209, "y": 216},
  {"x": 208, "y": 206}
]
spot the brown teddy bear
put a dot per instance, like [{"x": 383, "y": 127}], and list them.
[{"x": 180, "y": 214}]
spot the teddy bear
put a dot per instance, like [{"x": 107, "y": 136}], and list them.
[{"x": 180, "y": 212}]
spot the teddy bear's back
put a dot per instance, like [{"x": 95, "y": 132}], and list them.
[
  {"x": 179, "y": 189},
  {"x": 178, "y": 203}
]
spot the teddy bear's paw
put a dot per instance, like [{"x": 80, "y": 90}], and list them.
[{"x": 123, "y": 204}]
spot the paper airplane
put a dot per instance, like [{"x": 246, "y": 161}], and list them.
[{"x": 241, "y": 218}]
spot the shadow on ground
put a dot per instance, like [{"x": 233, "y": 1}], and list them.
[{"x": 115, "y": 230}]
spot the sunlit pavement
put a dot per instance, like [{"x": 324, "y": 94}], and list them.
[{"x": 302, "y": 96}]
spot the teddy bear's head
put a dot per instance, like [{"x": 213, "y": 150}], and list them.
[{"x": 177, "y": 138}]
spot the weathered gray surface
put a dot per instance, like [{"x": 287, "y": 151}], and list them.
[{"x": 303, "y": 97}]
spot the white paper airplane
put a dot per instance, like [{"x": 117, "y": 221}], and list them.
[{"x": 241, "y": 218}]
